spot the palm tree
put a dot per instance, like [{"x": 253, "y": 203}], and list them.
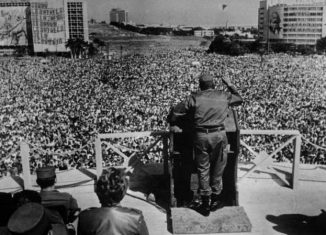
[
  {"x": 72, "y": 46},
  {"x": 76, "y": 46}
]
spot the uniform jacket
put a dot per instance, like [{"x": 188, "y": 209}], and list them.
[
  {"x": 56, "y": 198},
  {"x": 113, "y": 220},
  {"x": 209, "y": 108}
]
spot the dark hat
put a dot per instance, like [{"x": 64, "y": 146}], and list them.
[
  {"x": 29, "y": 219},
  {"x": 205, "y": 78},
  {"x": 45, "y": 172}
]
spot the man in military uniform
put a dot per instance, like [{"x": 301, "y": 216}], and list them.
[
  {"x": 53, "y": 199},
  {"x": 208, "y": 109},
  {"x": 111, "y": 217},
  {"x": 183, "y": 163}
]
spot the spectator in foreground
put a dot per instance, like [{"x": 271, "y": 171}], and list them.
[
  {"x": 29, "y": 219},
  {"x": 111, "y": 218},
  {"x": 51, "y": 198},
  {"x": 61, "y": 207}
]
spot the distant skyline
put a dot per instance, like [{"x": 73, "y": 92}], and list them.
[{"x": 180, "y": 12}]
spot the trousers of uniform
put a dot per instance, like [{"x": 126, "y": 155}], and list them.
[{"x": 211, "y": 158}]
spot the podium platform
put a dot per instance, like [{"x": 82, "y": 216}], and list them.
[{"x": 226, "y": 220}]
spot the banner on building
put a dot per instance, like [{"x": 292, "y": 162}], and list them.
[
  {"x": 275, "y": 24},
  {"x": 13, "y": 30}
]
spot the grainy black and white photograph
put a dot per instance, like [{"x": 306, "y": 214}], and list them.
[{"x": 161, "y": 117}]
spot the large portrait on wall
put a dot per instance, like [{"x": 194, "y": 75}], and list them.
[
  {"x": 275, "y": 24},
  {"x": 13, "y": 30}
]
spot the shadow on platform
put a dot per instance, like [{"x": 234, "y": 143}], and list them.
[
  {"x": 298, "y": 224},
  {"x": 150, "y": 180},
  {"x": 281, "y": 177}
]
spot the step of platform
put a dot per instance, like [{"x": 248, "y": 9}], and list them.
[{"x": 226, "y": 220}]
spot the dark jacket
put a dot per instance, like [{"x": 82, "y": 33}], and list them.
[
  {"x": 52, "y": 199},
  {"x": 114, "y": 220}
]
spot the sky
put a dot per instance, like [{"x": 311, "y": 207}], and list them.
[{"x": 180, "y": 12}]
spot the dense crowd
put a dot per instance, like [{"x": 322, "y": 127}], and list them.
[{"x": 60, "y": 106}]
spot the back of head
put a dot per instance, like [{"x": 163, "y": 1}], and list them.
[
  {"x": 29, "y": 219},
  {"x": 111, "y": 187},
  {"x": 45, "y": 176},
  {"x": 206, "y": 81}
]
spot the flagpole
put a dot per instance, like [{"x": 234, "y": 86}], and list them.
[{"x": 268, "y": 41}]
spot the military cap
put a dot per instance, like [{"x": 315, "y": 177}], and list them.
[
  {"x": 29, "y": 219},
  {"x": 45, "y": 172}
]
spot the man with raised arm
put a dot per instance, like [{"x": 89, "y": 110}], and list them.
[{"x": 208, "y": 110}]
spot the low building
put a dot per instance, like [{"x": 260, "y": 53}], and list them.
[
  {"x": 204, "y": 33},
  {"x": 118, "y": 15}
]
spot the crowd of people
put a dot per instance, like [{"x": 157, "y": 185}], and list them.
[{"x": 59, "y": 107}]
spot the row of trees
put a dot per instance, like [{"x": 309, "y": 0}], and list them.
[
  {"x": 156, "y": 30},
  {"x": 231, "y": 46},
  {"x": 79, "y": 48}
]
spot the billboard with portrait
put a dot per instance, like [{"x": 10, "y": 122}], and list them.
[
  {"x": 13, "y": 30},
  {"x": 275, "y": 24}
]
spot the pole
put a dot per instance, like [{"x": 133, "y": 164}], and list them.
[
  {"x": 26, "y": 167},
  {"x": 98, "y": 157},
  {"x": 296, "y": 162}
]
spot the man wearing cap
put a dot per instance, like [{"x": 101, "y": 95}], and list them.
[
  {"x": 52, "y": 198},
  {"x": 208, "y": 109}
]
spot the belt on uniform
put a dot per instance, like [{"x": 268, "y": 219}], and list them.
[{"x": 210, "y": 129}]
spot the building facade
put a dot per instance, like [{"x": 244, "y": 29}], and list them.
[
  {"x": 118, "y": 15},
  {"x": 301, "y": 22},
  {"x": 204, "y": 33},
  {"x": 48, "y": 24}
]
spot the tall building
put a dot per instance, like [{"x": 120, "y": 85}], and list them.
[
  {"x": 45, "y": 25},
  {"x": 118, "y": 15},
  {"x": 292, "y": 21}
]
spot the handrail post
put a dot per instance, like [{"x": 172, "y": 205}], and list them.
[
  {"x": 98, "y": 157},
  {"x": 165, "y": 155},
  {"x": 296, "y": 162},
  {"x": 24, "y": 148}
]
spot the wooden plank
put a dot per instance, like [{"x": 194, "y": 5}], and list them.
[
  {"x": 132, "y": 134},
  {"x": 296, "y": 162},
  {"x": 271, "y": 155},
  {"x": 249, "y": 148},
  {"x": 269, "y": 132},
  {"x": 125, "y": 157},
  {"x": 98, "y": 157},
  {"x": 24, "y": 148}
]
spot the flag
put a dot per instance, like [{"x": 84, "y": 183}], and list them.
[{"x": 222, "y": 6}]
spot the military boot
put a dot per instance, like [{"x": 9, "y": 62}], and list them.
[
  {"x": 216, "y": 202},
  {"x": 204, "y": 207}
]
